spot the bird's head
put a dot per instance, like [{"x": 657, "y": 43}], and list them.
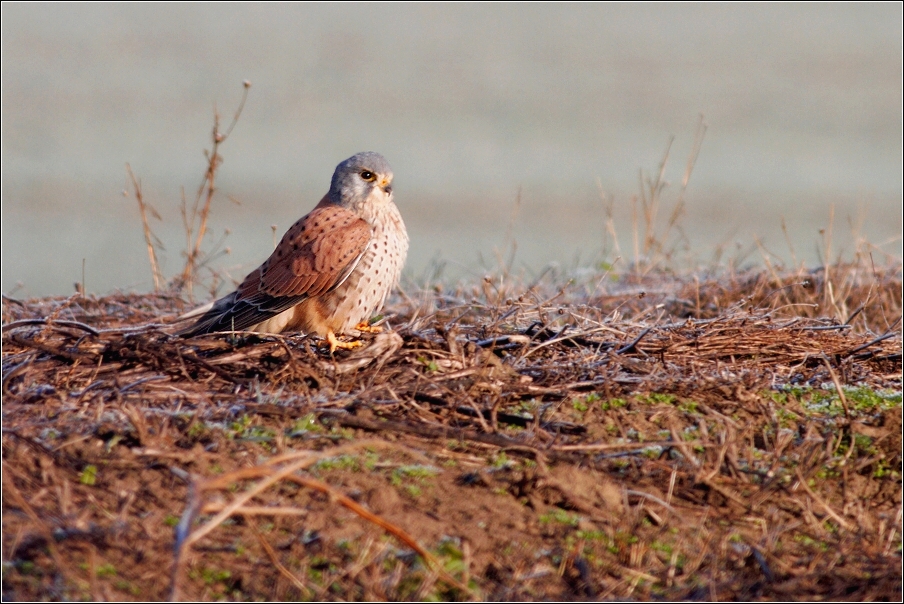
[{"x": 362, "y": 179}]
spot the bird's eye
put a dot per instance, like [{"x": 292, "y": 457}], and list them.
[{"x": 368, "y": 175}]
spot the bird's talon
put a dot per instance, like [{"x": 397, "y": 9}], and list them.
[
  {"x": 337, "y": 343},
  {"x": 366, "y": 327}
]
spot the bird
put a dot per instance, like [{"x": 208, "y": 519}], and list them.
[{"x": 331, "y": 271}]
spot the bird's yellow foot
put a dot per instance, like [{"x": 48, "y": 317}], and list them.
[
  {"x": 337, "y": 343},
  {"x": 366, "y": 327}
]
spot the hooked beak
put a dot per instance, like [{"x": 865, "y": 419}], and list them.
[{"x": 386, "y": 186}]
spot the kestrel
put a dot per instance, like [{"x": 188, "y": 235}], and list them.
[{"x": 332, "y": 270}]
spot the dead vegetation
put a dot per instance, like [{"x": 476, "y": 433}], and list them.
[
  {"x": 737, "y": 437},
  {"x": 732, "y": 435}
]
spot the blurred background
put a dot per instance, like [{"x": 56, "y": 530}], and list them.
[{"x": 503, "y": 123}]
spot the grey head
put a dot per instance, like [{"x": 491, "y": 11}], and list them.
[{"x": 362, "y": 179}]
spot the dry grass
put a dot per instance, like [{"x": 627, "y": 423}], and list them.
[
  {"x": 731, "y": 435},
  {"x": 735, "y": 437}
]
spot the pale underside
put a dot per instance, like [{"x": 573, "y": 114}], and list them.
[{"x": 359, "y": 296}]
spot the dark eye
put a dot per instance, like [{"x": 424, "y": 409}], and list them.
[{"x": 368, "y": 175}]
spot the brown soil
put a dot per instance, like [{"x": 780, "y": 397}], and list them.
[{"x": 729, "y": 438}]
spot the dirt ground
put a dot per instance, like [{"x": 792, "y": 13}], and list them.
[{"x": 727, "y": 437}]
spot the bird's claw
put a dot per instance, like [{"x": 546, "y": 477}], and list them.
[
  {"x": 366, "y": 327},
  {"x": 337, "y": 343}
]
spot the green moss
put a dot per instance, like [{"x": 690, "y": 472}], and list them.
[
  {"x": 428, "y": 363},
  {"x": 584, "y": 403},
  {"x": 341, "y": 462},
  {"x": 825, "y": 401},
  {"x": 27, "y": 567},
  {"x": 613, "y": 403},
  {"x": 371, "y": 459},
  {"x": 126, "y": 586},
  {"x": 560, "y": 516},
  {"x": 415, "y": 471},
  {"x": 305, "y": 424},
  {"x": 89, "y": 475},
  {"x": 413, "y": 478},
  {"x": 449, "y": 551},
  {"x": 106, "y": 570},
  {"x": 656, "y": 398},
  {"x": 652, "y": 452},
  {"x": 864, "y": 443},
  {"x": 884, "y": 470},
  {"x": 659, "y": 546},
  {"x": 258, "y": 434},
  {"x": 689, "y": 406},
  {"x": 238, "y": 427},
  {"x": 592, "y": 536},
  {"x": 501, "y": 460},
  {"x": 786, "y": 419},
  {"x": 210, "y": 576},
  {"x": 867, "y": 399},
  {"x": 808, "y": 541},
  {"x": 196, "y": 430}
]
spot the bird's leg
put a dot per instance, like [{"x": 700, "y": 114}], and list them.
[
  {"x": 337, "y": 343},
  {"x": 366, "y": 327}
]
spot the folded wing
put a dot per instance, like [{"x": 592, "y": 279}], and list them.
[{"x": 315, "y": 256}]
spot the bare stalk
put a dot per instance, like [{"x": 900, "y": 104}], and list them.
[
  {"x": 206, "y": 191},
  {"x": 149, "y": 238}
]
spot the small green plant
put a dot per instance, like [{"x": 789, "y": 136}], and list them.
[
  {"x": 210, "y": 576},
  {"x": 428, "y": 363},
  {"x": 238, "y": 427},
  {"x": 196, "y": 430},
  {"x": 868, "y": 399},
  {"x": 303, "y": 425},
  {"x": 654, "y": 452},
  {"x": 560, "y": 516},
  {"x": 413, "y": 478},
  {"x": 449, "y": 551},
  {"x": 88, "y": 476},
  {"x": 126, "y": 586},
  {"x": 371, "y": 459},
  {"x": 106, "y": 570},
  {"x": 656, "y": 398},
  {"x": 501, "y": 460},
  {"x": 659, "y": 546},
  {"x": 826, "y": 401},
  {"x": 613, "y": 403},
  {"x": 689, "y": 406},
  {"x": 592, "y": 535},
  {"x": 884, "y": 470},
  {"x": 342, "y": 462},
  {"x": 808, "y": 541}
]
